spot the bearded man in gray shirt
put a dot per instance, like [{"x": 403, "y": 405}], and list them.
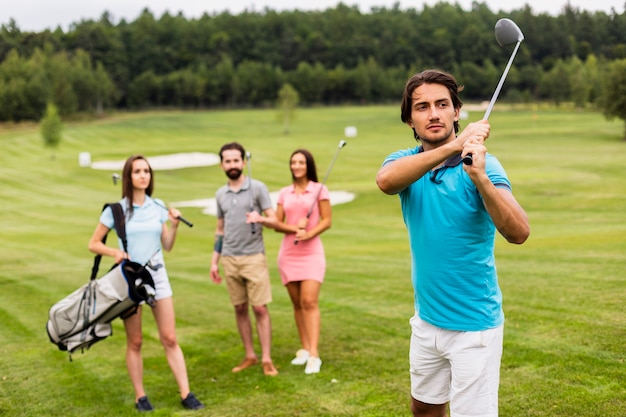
[{"x": 240, "y": 248}]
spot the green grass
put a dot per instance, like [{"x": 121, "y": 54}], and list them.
[{"x": 564, "y": 289}]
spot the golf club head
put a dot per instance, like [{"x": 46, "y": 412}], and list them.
[
  {"x": 342, "y": 143},
  {"x": 248, "y": 155},
  {"x": 115, "y": 178},
  {"x": 507, "y": 32}
]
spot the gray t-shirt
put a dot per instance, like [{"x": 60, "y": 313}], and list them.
[{"x": 232, "y": 207}]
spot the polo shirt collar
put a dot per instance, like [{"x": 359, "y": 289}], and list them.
[
  {"x": 308, "y": 189},
  {"x": 453, "y": 161},
  {"x": 146, "y": 203},
  {"x": 244, "y": 186}
]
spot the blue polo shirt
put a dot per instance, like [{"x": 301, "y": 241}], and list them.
[
  {"x": 451, "y": 237},
  {"x": 143, "y": 229}
]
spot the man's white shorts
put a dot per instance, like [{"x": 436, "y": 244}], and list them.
[{"x": 460, "y": 367}]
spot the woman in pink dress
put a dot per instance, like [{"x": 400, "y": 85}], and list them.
[{"x": 303, "y": 212}]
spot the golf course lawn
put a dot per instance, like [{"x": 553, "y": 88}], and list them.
[{"x": 564, "y": 289}]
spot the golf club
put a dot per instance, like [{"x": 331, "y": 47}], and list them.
[
  {"x": 248, "y": 157},
  {"x": 342, "y": 143},
  {"x": 507, "y": 33},
  {"x": 116, "y": 178}
]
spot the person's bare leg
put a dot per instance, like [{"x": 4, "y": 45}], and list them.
[
  {"x": 244, "y": 325},
  {"x": 420, "y": 409},
  {"x": 293, "y": 289},
  {"x": 309, "y": 300},
  {"x": 264, "y": 330},
  {"x": 166, "y": 323},
  {"x": 134, "y": 361}
]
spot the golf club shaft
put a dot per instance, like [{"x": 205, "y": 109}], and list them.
[
  {"x": 468, "y": 159},
  {"x": 181, "y": 218},
  {"x": 248, "y": 157},
  {"x": 499, "y": 87},
  {"x": 317, "y": 195}
]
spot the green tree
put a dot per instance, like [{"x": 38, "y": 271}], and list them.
[
  {"x": 59, "y": 68},
  {"x": 23, "y": 92},
  {"x": 310, "y": 81},
  {"x": 613, "y": 101},
  {"x": 288, "y": 99},
  {"x": 144, "y": 90},
  {"x": 594, "y": 74},
  {"x": 183, "y": 88},
  {"x": 51, "y": 127},
  {"x": 555, "y": 84},
  {"x": 256, "y": 83},
  {"x": 105, "y": 88},
  {"x": 221, "y": 82},
  {"x": 83, "y": 80}
]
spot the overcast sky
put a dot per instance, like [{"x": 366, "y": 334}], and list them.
[{"x": 37, "y": 15}]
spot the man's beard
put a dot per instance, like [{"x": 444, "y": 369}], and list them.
[{"x": 234, "y": 173}]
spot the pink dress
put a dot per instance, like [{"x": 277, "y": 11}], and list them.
[{"x": 306, "y": 260}]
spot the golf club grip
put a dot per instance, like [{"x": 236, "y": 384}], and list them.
[
  {"x": 187, "y": 222},
  {"x": 295, "y": 242},
  {"x": 468, "y": 159}
]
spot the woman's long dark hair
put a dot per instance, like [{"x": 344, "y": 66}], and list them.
[
  {"x": 311, "y": 171},
  {"x": 127, "y": 182}
]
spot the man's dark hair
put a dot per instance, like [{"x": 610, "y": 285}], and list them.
[
  {"x": 231, "y": 146},
  {"x": 430, "y": 76}
]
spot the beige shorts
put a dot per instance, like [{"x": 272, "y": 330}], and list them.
[{"x": 247, "y": 279}]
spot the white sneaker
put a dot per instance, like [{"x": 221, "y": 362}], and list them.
[
  {"x": 313, "y": 365},
  {"x": 301, "y": 357}
]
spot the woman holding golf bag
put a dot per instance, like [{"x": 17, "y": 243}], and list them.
[
  {"x": 147, "y": 234},
  {"x": 303, "y": 213}
]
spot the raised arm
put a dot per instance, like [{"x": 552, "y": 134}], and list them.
[
  {"x": 395, "y": 176},
  {"x": 508, "y": 216},
  {"x": 168, "y": 235}
]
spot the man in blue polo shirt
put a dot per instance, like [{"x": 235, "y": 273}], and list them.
[{"x": 451, "y": 211}]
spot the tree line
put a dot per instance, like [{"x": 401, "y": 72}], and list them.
[{"x": 338, "y": 55}]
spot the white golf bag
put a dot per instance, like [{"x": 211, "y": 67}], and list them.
[{"x": 84, "y": 317}]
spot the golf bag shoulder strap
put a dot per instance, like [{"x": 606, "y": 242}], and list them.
[
  {"x": 120, "y": 222},
  {"x": 120, "y": 229}
]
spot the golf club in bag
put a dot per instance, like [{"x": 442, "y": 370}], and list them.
[
  {"x": 248, "y": 158},
  {"x": 342, "y": 143},
  {"x": 116, "y": 178},
  {"x": 507, "y": 33}
]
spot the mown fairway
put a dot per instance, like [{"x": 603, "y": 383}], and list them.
[{"x": 564, "y": 290}]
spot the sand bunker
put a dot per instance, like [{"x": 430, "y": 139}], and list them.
[{"x": 166, "y": 162}]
